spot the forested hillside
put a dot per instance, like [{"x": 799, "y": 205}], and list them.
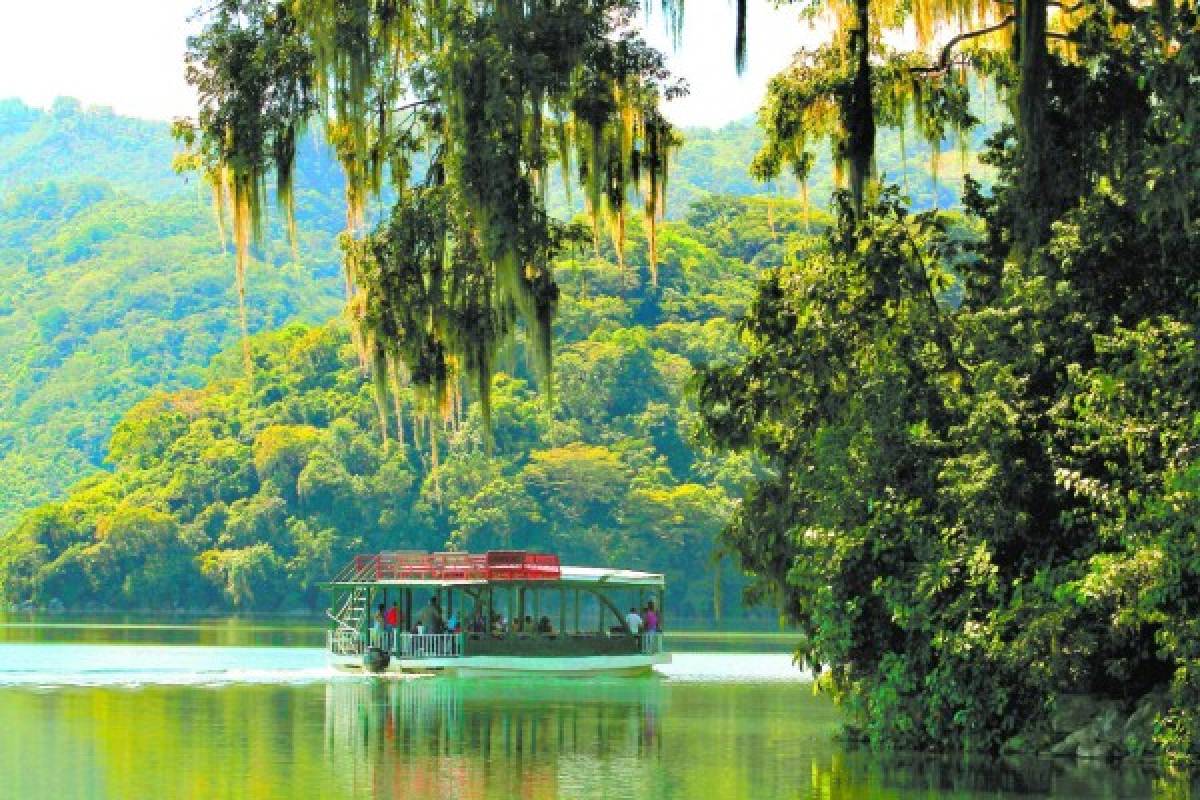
[
  {"x": 242, "y": 495},
  {"x": 114, "y": 282}
]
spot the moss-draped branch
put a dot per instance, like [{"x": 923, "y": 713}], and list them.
[{"x": 487, "y": 96}]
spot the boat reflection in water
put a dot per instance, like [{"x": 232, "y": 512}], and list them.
[
  {"x": 442, "y": 737},
  {"x": 452, "y": 738}
]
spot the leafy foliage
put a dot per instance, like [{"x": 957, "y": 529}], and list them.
[
  {"x": 244, "y": 492},
  {"x": 114, "y": 283},
  {"x": 980, "y": 485},
  {"x": 490, "y": 95}
]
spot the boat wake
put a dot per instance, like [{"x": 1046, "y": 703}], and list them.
[
  {"x": 51, "y": 666},
  {"x": 733, "y": 668},
  {"x": 54, "y": 666}
]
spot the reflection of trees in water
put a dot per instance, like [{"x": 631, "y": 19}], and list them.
[
  {"x": 493, "y": 738},
  {"x": 623, "y": 739},
  {"x": 439, "y": 738},
  {"x": 862, "y": 773}
]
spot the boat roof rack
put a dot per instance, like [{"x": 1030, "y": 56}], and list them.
[{"x": 418, "y": 567}]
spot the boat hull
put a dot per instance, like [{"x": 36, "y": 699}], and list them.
[{"x": 508, "y": 666}]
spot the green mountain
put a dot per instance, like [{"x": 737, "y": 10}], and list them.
[
  {"x": 114, "y": 283},
  {"x": 243, "y": 493},
  {"x": 68, "y": 144}
]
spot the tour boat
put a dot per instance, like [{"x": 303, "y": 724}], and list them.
[{"x": 504, "y": 612}]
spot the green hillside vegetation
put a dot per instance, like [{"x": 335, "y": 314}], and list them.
[
  {"x": 67, "y": 144},
  {"x": 107, "y": 296},
  {"x": 982, "y": 514},
  {"x": 243, "y": 495},
  {"x": 114, "y": 284}
]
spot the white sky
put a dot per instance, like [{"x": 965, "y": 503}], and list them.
[{"x": 128, "y": 54}]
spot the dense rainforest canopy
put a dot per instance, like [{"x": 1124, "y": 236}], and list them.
[
  {"x": 115, "y": 283},
  {"x": 490, "y": 96},
  {"x": 971, "y": 460},
  {"x": 981, "y": 474},
  {"x": 244, "y": 492}
]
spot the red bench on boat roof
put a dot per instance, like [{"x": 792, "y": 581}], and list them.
[
  {"x": 494, "y": 565},
  {"x": 521, "y": 565}
]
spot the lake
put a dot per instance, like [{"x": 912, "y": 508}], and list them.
[{"x": 106, "y": 707}]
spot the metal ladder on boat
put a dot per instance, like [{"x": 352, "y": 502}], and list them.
[{"x": 345, "y": 639}]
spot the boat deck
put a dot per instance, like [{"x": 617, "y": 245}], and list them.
[
  {"x": 474, "y": 653},
  {"x": 539, "y": 616}
]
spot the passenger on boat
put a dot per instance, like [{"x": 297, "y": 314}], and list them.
[
  {"x": 430, "y": 617},
  {"x": 544, "y": 626},
  {"x": 379, "y": 626},
  {"x": 393, "y": 618},
  {"x": 633, "y": 621},
  {"x": 527, "y": 625},
  {"x": 650, "y": 616}
]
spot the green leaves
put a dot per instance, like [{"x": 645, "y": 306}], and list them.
[
  {"x": 261, "y": 486},
  {"x": 979, "y": 471},
  {"x": 485, "y": 98}
]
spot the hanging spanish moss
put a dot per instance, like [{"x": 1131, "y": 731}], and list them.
[
  {"x": 845, "y": 88},
  {"x": 486, "y": 95}
]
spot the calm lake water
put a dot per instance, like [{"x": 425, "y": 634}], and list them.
[{"x": 126, "y": 708}]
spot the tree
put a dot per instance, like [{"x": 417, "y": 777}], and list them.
[
  {"x": 969, "y": 507},
  {"x": 139, "y": 550},
  {"x": 281, "y": 453},
  {"x": 250, "y": 577},
  {"x": 496, "y": 93}
]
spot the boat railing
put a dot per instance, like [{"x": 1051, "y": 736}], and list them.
[
  {"x": 428, "y": 645},
  {"x": 344, "y": 642},
  {"x": 652, "y": 643}
]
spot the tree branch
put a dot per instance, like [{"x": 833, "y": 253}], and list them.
[
  {"x": 939, "y": 321},
  {"x": 943, "y": 62},
  {"x": 1125, "y": 10},
  {"x": 415, "y": 104},
  {"x": 1050, "y": 4}
]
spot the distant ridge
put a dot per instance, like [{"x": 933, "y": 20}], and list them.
[
  {"x": 70, "y": 142},
  {"x": 113, "y": 283}
]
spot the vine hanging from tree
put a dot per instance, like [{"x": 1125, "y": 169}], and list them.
[{"x": 486, "y": 96}]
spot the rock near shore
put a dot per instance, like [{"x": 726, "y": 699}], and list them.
[{"x": 1088, "y": 728}]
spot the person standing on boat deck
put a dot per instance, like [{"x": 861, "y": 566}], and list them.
[
  {"x": 651, "y": 617},
  {"x": 380, "y": 625},
  {"x": 430, "y": 618},
  {"x": 393, "y": 621},
  {"x": 633, "y": 621}
]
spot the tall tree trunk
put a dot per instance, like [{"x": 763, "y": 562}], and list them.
[
  {"x": 1032, "y": 58},
  {"x": 860, "y": 111}
]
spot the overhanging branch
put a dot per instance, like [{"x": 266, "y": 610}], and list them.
[
  {"x": 943, "y": 62},
  {"x": 1050, "y": 4},
  {"x": 1125, "y": 10}
]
